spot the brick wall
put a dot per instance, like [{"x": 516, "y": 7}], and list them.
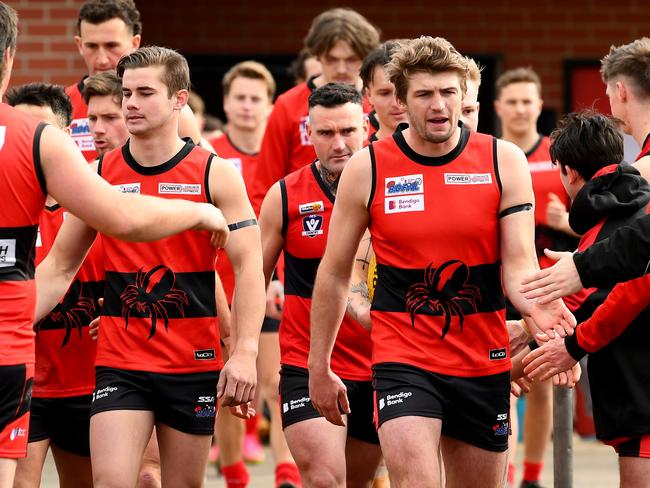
[{"x": 542, "y": 34}]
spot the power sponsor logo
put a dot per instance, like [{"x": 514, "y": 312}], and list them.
[
  {"x": 404, "y": 185},
  {"x": 103, "y": 392},
  {"x": 540, "y": 166},
  {"x": 311, "y": 207},
  {"x": 412, "y": 203},
  {"x": 204, "y": 355},
  {"x": 128, "y": 187},
  {"x": 7, "y": 253},
  {"x": 179, "y": 188},
  {"x": 396, "y": 399},
  {"x": 498, "y": 354},
  {"x": 292, "y": 405},
  {"x": 468, "y": 178},
  {"x": 312, "y": 225}
]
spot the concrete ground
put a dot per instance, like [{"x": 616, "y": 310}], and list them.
[{"x": 594, "y": 466}]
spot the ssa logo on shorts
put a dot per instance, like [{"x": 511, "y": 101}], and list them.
[
  {"x": 404, "y": 185},
  {"x": 468, "y": 178},
  {"x": 179, "y": 188}
]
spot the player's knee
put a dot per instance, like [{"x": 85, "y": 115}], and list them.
[
  {"x": 149, "y": 477},
  {"x": 317, "y": 477}
]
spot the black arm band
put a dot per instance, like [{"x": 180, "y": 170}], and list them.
[
  {"x": 533, "y": 345},
  {"x": 524, "y": 207},
  {"x": 242, "y": 224}
]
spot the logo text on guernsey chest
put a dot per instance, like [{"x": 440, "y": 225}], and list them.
[
  {"x": 311, "y": 207},
  {"x": 468, "y": 179},
  {"x": 304, "y": 134},
  {"x": 80, "y": 133},
  {"x": 128, "y": 187},
  {"x": 404, "y": 185},
  {"x": 179, "y": 188},
  {"x": 312, "y": 225}
]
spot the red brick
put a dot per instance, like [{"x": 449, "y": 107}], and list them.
[{"x": 49, "y": 29}]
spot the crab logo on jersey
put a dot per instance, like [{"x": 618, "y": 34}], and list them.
[
  {"x": 152, "y": 295},
  {"x": 444, "y": 290},
  {"x": 311, "y": 207},
  {"x": 74, "y": 311},
  {"x": 304, "y": 134},
  {"x": 312, "y": 225},
  {"x": 404, "y": 185}
]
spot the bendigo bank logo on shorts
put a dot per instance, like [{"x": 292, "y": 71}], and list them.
[
  {"x": 295, "y": 404},
  {"x": 312, "y": 225},
  {"x": 468, "y": 178},
  {"x": 396, "y": 399},
  {"x": 103, "y": 392}
]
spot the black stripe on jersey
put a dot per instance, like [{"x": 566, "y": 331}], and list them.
[
  {"x": 321, "y": 183},
  {"x": 206, "y": 180},
  {"x": 52, "y": 208},
  {"x": 100, "y": 162},
  {"x": 476, "y": 289},
  {"x": 535, "y": 147},
  {"x": 372, "y": 120},
  {"x": 373, "y": 169},
  {"x": 408, "y": 151},
  {"x": 299, "y": 275},
  {"x": 495, "y": 157},
  {"x": 180, "y": 295},
  {"x": 78, "y": 307},
  {"x": 285, "y": 207},
  {"x": 17, "y": 246},
  {"x": 36, "y": 156},
  {"x": 160, "y": 168}
]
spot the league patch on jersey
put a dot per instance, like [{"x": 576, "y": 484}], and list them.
[
  {"x": 413, "y": 203},
  {"x": 312, "y": 225},
  {"x": 538, "y": 166},
  {"x": 128, "y": 188},
  {"x": 468, "y": 178},
  {"x": 236, "y": 162},
  {"x": 80, "y": 133},
  {"x": 7, "y": 253},
  {"x": 179, "y": 188},
  {"x": 311, "y": 207},
  {"x": 404, "y": 185},
  {"x": 304, "y": 135}
]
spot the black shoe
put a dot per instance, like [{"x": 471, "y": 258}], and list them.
[{"x": 530, "y": 484}]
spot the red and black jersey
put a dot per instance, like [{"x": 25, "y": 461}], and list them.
[
  {"x": 546, "y": 179},
  {"x": 439, "y": 302},
  {"x": 286, "y": 146},
  {"x": 159, "y": 310},
  {"x": 65, "y": 353},
  {"x": 23, "y": 187},
  {"x": 246, "y": 164},
  {"x": 613, "y": 325},
  {"x": 80, "y": 127},
  {"x": 645, "y": 150},
  {"x": 306, "y": 211}
]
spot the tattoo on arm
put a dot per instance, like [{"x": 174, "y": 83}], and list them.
[
  {"x": 365, "y": 260},
  {"x": 353, "y": 303}
]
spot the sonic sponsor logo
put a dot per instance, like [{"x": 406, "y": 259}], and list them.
[
  {"x": 468, "y": 178},
  {"x": 311, "y": 207},
  {"x": 404, "y": 185}
]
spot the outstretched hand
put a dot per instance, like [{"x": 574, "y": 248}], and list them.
[{"x": 558, "y": 281}]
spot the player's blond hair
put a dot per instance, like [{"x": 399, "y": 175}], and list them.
[
  {"x": 473, "y": 71},
  {"x": 252, "y": 70},
  {"x": 518, "y": 75},
  {"x": 176, "y": 75},
  {"x": 425, "y": 55},
  {"x": 632, "y": 61}
]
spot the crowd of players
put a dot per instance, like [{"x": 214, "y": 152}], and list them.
[{"x": 393, "y": 242}]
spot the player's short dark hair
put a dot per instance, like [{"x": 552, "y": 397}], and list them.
[
  {"x": 341, "y": 24},
  {"x": 176, "y": 74},
  {"x": 586, "y": 142},
  {"x": 43, "y": 95},
  {"x": 104, "y": 83},
  {"x": 99, "y": 11},
  {"x": 334, "y": 95},
  {"x": 631, "y": 60},
  {"x": 518, "y": 75},
  {"x": 8, "y": 32},
  {"x": 379, "y": 57}
]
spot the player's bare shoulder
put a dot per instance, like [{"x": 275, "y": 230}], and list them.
[{"x": 356, "y": 178}]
